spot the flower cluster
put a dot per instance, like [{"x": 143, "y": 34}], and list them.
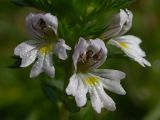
[{"x": 88, "y": 55}]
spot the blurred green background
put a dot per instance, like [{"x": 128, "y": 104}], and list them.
[{"x": 23, "y": 99}]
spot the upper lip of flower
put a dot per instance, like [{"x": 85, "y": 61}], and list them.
[
  {"x": 119, "y": 25},
  {"x": 89, "y": 59},
  {"x": 42, "y": 26},
  {"x": 91, "y": 56}
]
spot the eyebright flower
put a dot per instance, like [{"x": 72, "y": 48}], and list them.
[
  {"x": 43, "y": 28},
  {"x": 87, "y": 57},
  {"x": 130, "y": 45}
]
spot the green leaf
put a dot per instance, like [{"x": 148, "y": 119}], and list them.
[
  {"x": 77, "y": 17},
  {"x": 84, "y": 7},
  {"x": 154, "y": 113},
  {"x": 55, "y": 95},
  {"x": 70, "y": 104},
  {"x": 20, "y": 2},
  {"x": 51, "y": 92},
  {"x": 118, "y": 56},
  {"x": 44, "y": 5},
  {"x": 16, "y": 63}
]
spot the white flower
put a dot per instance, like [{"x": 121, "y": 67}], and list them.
[
  {"x": 130, "y": 44},
  {"x": 87, "y": 57},
  {"x": 43, "y": 28}
]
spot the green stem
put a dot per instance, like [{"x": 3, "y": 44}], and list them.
[{"x": 63, "y": 113}]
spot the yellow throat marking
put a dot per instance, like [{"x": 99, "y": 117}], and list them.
[
  {"x": 91, "y": 81},
  {"x": 45, "y": 49},
  {"x": 123, "y": 44}
]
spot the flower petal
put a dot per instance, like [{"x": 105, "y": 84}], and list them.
[
  {"x": 31, "y": 21},
  {"x": 37, "y": 67},
  {"x": 25, "y": 47},
  {"x": 111, "y": 79},
  {"x": 60, "y": 49},
  {"x": 82, "y": 90},
  {"x": 90, "y": 54},
  {"x": 38, "y": 25},
  {"x": 28, "y": 58},
  {"x": 113, "y": 86},
  {"x": 72, "y": 86},
  {"x": 108, "y": 103},
  {"x": 98, "y": 46},
  {"x": 52, "y": 21},
  {"x": 129, "y": 39},
  {"x": 115, "y": 75},
  {"x": 132, "y": 49},
  {"x": 119, "y": 25},
  {"x": 80, "y": 48},
  {"x": 127, "y": 23},
  {"x": 95, "y": 99},
  {"x": 48, "y": 65}
]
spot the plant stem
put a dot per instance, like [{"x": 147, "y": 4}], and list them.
[{"x": 63, "y": 113}]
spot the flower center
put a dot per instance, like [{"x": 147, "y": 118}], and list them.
[
  {"x": 124, "y": 45},
  {"x": 91, "y": 81},
  {"x": 46, "y": 31},
  {"x": 41, "y": 23},
  {"x": 45, "y": 49},
  {"x": 88, "y": 60}
]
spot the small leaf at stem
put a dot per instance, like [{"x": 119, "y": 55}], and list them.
[{"x": 55, "y": 95}]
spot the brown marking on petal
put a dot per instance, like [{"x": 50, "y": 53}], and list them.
[
  {"x": 89, "y": 54},
  {"x": 97, "y": 56},
  {"x": 88, "y": 60},
  {"x": 41, "y": 23},
  {"x": 46, "y": 32}
]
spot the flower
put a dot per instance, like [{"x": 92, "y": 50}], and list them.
[
  {"x": 43, "y": 28},
  {"x": 87, "y": 57},
  {"x": 129, "y": 44}
]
